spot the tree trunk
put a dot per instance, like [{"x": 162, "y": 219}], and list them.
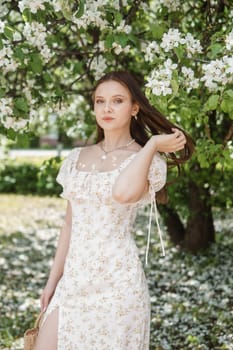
[
  {"x": 200, "y": 228},
  {"x": 199, "y": 232},
  {"x": 175, "y": 227}
]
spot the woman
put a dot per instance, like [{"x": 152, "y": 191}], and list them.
[{"x": 96, "y": 297}]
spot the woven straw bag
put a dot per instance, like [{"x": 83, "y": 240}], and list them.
[{"x": 31, "y": 334}]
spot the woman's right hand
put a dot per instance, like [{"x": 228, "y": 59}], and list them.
[{"x": 46, "y": 297}]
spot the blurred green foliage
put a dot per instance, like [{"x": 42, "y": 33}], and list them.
[{"x": 25, "y": 178}]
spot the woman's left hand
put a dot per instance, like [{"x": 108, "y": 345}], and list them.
[{"x": 170, "y": 142}]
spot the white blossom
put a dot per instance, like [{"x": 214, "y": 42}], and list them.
[
  {"x": 150, "y": 51},
  {"x": 192, "y": 45},
  {"x": 17, "y": 36},
  {"x": 3, "y": 8},
  {"x": 173, "y": 38},
  {"x": 170, "y": 39},
  {"x": 5, "y": 52},
  {"x": 159, "y": 80},
  {"x": 228, "y": 62},
  {"x": 46, "y": 53},
  {"x": 189, "y": 80},
  {"x": 169, "y": 66},
  {"x": 119, "y": 49},
  {"x": 229, "y": 40},
  {"x": 10, "y": 66},
  {"x": 124, "y": 27},
  {"x": 16, "y": 124},
  {"x": 35, "y": 33},
  {"x": 101, "y": 45},
  {"x": 171, "y": 5},
  {"x": 5, "y": 107},
  {"x": 98, "y": 65},
  {"x": 218, "y": 72},
  {"x": 7, "y": 63},
  {"x": 32, "y": 5},
  {"x": 57, "y": 5},
  {"x": 92, "y": 15},
  {"x": 2, "y": 26}
]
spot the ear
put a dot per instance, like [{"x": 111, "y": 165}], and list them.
[{"x": 135, "y": 109}]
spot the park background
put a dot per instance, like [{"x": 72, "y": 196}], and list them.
[{"x": 51, "y": 54}]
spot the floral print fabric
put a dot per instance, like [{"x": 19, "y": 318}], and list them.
[{"x": 102, "y": 297}]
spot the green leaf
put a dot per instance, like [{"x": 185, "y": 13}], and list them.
[
  {"x": 229, "y": 93},
  {"x": 215, "y": 49},
  {"x": 11, "y": 134},
  {"x": 227, "y": 102},
  {"x": 79, "y": 13},
  {"x": 185, "y": 112},
  {"x": 212, "y": 103},
  {"x": 109, "y": 41},
  {"x": 158, "y": 29},
  {"x": 1, "y": 43},
  {"x": 175, "y": 86},
  {"x": 118, "y": 18},
  {"x": 18, "y": 52},
  {"x": 2, "y": 92},
  {"x": 27, "y": 16},
  {"x": 179, "y": 51},
  {"x": 133, "y": 39},
  {"x": 77, "y": 67},
  {"x": 231, "y": 114},
  {"x": 122, "y": 39},
  {"x": 204, "y": 163},
  {"x": 36, "y": 63},
  {"x": 58, "y": 91},
  {"x": 8, "y": 32},
  {"x": 21, "y": 104},
  {"x": 47, "y": 77}
]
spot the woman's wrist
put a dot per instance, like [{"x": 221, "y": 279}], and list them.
[
  {"x": 51, "y": 283},
  {"x": 153, "y": 143}
]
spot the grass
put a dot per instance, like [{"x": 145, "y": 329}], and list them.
[{"x": 191, "y": 295}]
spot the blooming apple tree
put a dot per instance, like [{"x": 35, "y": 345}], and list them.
[{"x": 51, "y": 52}]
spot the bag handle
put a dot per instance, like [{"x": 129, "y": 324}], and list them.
[{"x": 38, "y": 320}]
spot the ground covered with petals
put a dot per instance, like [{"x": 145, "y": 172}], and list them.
[{"x": 191, "y": 295}]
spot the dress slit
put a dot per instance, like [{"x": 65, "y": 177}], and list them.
[{"x": 49, "y": 327}]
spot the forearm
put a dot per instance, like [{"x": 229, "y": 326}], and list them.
[
  {"x": 61, "y": 252},
  {"x": 132, "y": 182},
  {"x": 59, "y": 260}
]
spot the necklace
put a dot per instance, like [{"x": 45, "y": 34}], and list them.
[{"x": 105, "y": 155}]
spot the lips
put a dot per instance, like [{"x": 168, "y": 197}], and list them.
[{"x": 108, "y": 118}]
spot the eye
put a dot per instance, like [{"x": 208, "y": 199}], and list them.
[
  {"x": 99, "y": 101},
  {"x": 118, "y": 100}
]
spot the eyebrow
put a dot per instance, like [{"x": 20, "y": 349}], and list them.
[{"x": 118, "y": 95}]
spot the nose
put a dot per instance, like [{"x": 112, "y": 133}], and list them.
[{"x": 107, "y": 107}]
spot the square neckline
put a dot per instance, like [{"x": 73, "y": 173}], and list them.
[{"x": 94, "y": 171}]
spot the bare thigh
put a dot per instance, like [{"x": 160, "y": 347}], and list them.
[{"x": 47, "y": 337}]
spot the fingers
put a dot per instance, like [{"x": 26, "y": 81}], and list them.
[
  {"x": 180, "y": 138},
  {"x": 43, "y": 302}
]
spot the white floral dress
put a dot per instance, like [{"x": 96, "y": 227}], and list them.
[{"x": 102, "y": 297}]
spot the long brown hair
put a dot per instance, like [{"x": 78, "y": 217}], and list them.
[{"x": 149, "y": 121}]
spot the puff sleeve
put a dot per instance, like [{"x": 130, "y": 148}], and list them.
[
  {"x": 64, "y": 172},
  {"x": 157, "y": 174}
]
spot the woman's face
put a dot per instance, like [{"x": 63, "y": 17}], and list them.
[{"x": 113, "y": 106}]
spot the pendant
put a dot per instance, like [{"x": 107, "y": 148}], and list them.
[{"x": 103, "y": 157}]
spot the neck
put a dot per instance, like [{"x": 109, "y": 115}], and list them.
[{"x": 113, "y": 139}]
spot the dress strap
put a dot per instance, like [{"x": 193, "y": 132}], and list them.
[{"x": 153, "y": 205}]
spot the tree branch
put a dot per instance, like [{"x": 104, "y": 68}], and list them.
[{"x": 228, "y": 136}]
